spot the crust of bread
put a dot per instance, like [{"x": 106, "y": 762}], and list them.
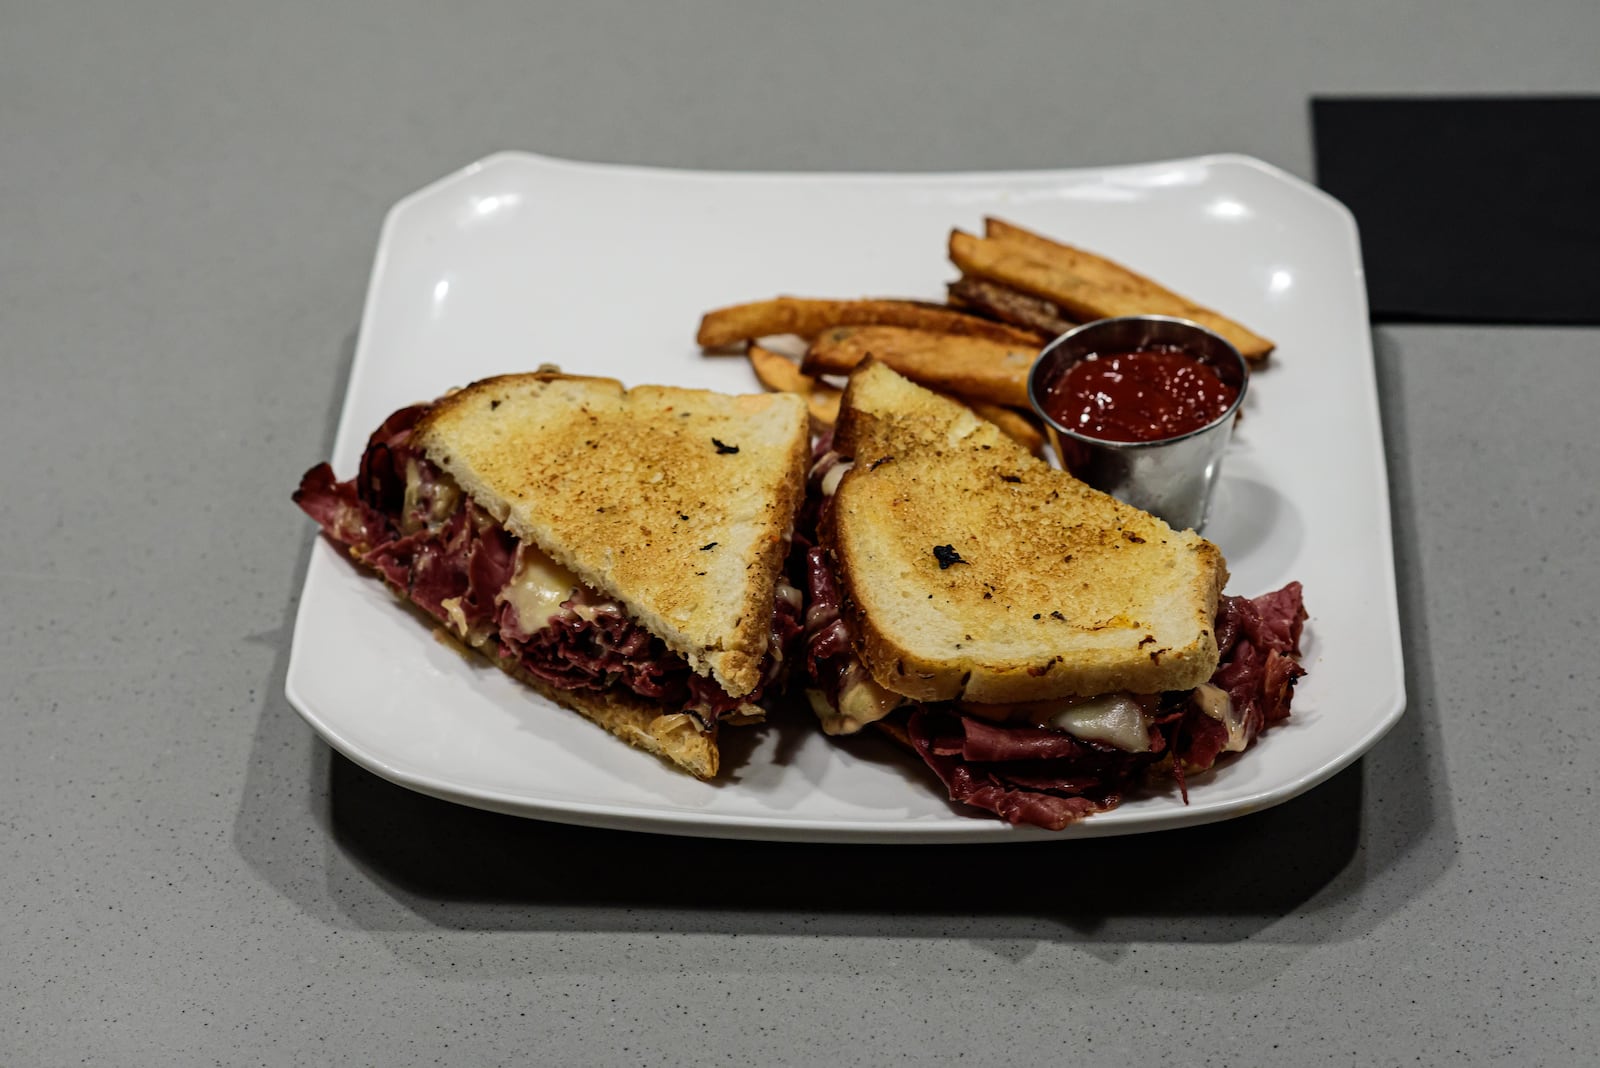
[
  {"x": 1060, "y": 590},
  {"x": 896, "y": 730},
  {"x": 679, "y": 503},
  {"x": 674, "y": 737}
]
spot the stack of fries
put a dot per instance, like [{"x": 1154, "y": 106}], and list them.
[{"x": 1017, "y": 291}]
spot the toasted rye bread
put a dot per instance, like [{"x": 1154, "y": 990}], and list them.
[
  {"x": 1059, "y": 589},
  {"x": 673, "y": 737},
  {"x": 676, "y": 502}
]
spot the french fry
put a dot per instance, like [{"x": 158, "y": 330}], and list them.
[
  {"x": 1086, "y": 286},
  {"x": 779, "y": 373},
  {"x": 824, "y": 404},
  {"x": 1086, "y": 265},
  {"x": 975, "y": 368},
  {"x": 808, "y": 318},
  {"x": 1012, "y": 423},
  {"x": 1009, "y": 306}
]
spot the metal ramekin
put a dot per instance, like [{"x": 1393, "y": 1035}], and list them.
[{"x": 1172, "y": 478}]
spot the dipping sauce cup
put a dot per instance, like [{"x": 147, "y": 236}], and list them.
[{"x": 1170, "y": 383}]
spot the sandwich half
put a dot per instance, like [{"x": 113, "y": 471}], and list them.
[
  {"x": 621, "y": 551},
  {"x": 1042, "y": 646}
]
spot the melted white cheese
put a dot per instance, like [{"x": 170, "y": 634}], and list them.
[
  {"x": 458, "y": 618},
  {"x": 441, "y": 505},
  {"x": 537, "y": 588},
  {"x": 1215, "y": 702},
  {"x": 831, "y": 480},
  {"x": 1115, "y": 719},
  {"x": 861, "y": 701},
  {"x": 588, "y": 612}
]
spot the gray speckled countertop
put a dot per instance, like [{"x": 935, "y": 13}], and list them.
[{"x": 189, "y": 200}]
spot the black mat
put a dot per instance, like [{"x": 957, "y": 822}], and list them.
[{"x": 1472, "y": 209}]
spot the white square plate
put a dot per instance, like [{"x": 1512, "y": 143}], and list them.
[{"x": 520, "y": 260}]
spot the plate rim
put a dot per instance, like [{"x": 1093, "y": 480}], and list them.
[{"x": 957, "y": 829}]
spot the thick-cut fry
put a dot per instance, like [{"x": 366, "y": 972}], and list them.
[
  {"x": 808, "y": 318},
  {"x": 975, "y": 368},
  {"x": 824, "y": 405},
  {"x": 779, "y": 373},
  {"x": 1086, "y": 286},
  {"x": 1011, "y": 422},
  {"x": 1086, "y": 265},
  {"x": 1009, "y": 306}
]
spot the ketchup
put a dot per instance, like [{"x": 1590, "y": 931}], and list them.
[{"x": 1148, "y": 395}]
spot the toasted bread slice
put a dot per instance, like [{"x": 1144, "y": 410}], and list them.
[
  {"x": 975, "y": 571},
  {"x": 674, "y": 737},
  {"x": 676, "y": 502}
]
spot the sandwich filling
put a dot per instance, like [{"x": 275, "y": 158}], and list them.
[
  {"x": 407, "y": 519},
  {"x": 1051, "y": 763}
]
